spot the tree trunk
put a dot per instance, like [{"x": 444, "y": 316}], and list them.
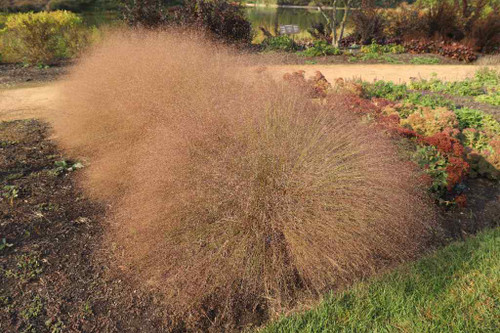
[
  {"x": 347, "y": 9},
  {"x": 331, "y": 21}
]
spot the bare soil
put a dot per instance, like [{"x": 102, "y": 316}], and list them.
[
  {"x": 54, "y": 275},
  {"x": 386, "y": 72}
]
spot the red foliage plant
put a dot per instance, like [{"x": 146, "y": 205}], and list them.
[
  {"x": 457, "y": 171},
  {"x": 234, "y": 195},
  {"x": 445, "y": 144},
  {"x": 316, "y": 86},
  {"x": 457, "y": 168},
  {"x": 354, "y": 103}
]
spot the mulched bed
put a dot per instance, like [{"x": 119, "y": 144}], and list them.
[
  {"x": 55, "y": 274},
  {"x": 15, "y": 74}
]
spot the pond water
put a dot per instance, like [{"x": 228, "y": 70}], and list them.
[
  {"x": 271, "y": 18},
  {"x": 267, "y": 17}
]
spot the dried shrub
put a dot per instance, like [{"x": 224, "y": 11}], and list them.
[
  {"x": 369, "y": 25},
  {"x": 321, "y": 31},
  {"x": 222, "y": 19},
  {"x": 405, "y": 21},
  {"x": 315, "y": 87},
  {"x": 445, "y": 21},
  {"x": 450, "y": 50},
  {"x": 485, "y": 33},
  {"x": 347, "y": 41},
  {"x": 234, "y": 195}
]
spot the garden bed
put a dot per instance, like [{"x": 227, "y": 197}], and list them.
[
  {"x": 282, "y": 58},
  {"x": 53, "y": 276},
  {"x": 15, "y": 74}
]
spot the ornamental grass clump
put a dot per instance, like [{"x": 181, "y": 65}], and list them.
[{"x": 235, "y": 196}]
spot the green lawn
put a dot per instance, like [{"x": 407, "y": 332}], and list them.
[{"x": 457, "y": 289}]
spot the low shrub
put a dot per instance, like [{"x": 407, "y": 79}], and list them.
[
  {"x": 375, "y": 48},
  {"x": 475, "y": 139},
  {"x": 428, "y": 122},
  {"x": 279, "y": 43},
  {"x": 470, "y": 118},
  {"x": 225, "y": 20},
  {"x": 321, "y": 48},
  {"x": 483, "y": 153},
  {"x": 347, "y": 41},
  {"x": 442, "y": 158},
  {"x": 43, "y": 38},
  {"x": 234, "y": 210},
  {"x": 383, "y": 89}
]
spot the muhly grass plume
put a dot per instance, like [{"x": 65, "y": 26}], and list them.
[{"x": 234, "y": 195}]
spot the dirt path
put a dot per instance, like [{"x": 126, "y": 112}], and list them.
[
  {"x": 31, "y": 102},
  {"x": 36, "y": 101},
  {"x": 394, "y": 73}
]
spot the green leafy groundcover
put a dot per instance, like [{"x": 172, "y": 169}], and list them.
[{"x": 456, "y": 289}]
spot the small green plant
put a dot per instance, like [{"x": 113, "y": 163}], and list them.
[
  {"x": 434, "y": 164},
  {"x": 375, "y": 48},
  {"x": 34, "y": 309},
  {"x": 321, "y": 48},
  {"x": 383, "y": 89},
  {"x": 4, "y": 245},
  {"x": 279, "y": 43},
  {"x": 28, "y": 267},
  {"x": 55, "y": 326},
  {"x": 63, "y": 166},
  {"x": 424, "y": 61},
  {"x": 10, "y": 192},
  {"x": 476, "y": 140},
  {"x": 383, "y": 58},
  {"x": 429, "y": 100},
  {"x": 471, "y": 118},
  {"x": 493, "y": 98},
  {"x": 6, "y": 143}
]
